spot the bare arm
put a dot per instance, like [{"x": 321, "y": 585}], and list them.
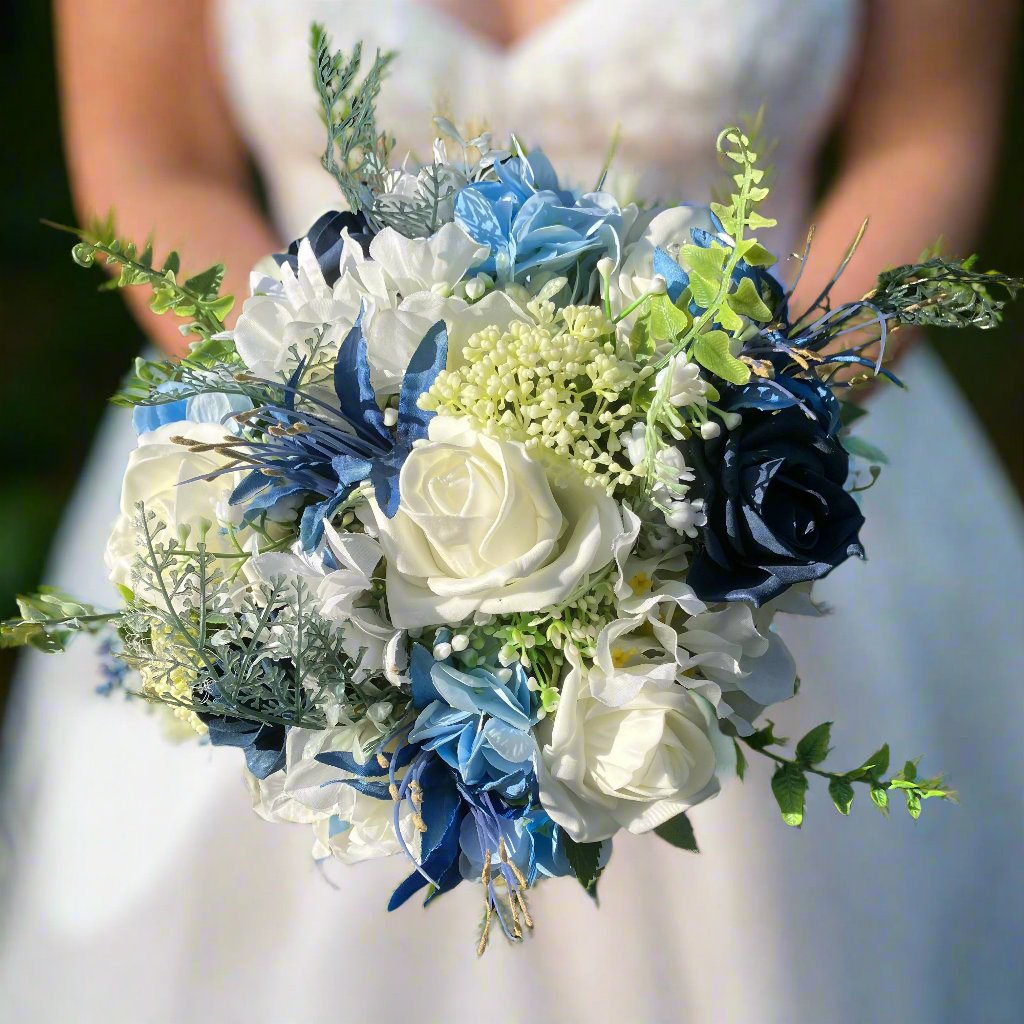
[
  {"x": 148, "y": 134},
  {"x": 918, "y": 141}
]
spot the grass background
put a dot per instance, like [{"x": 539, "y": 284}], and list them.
[{"x": 66, "y": 346}]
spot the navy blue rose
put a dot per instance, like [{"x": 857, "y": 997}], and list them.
[
  {"x": 325, "y": 238},
  {"x": 777, "y": 510}
]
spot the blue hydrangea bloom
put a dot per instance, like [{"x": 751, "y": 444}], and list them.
[
  {"x": 532, "y": 225},
  {"x": 477, "y": 724}
]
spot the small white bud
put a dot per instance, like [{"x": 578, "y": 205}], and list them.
[
  {"x": 475, "y": 289},
  {"x": 606, "y": 267},
  {"x": 442, "y": 651},
  {"x": 460, "y": 642},
  {"x": 731, "y": 420},
  {"x": 709, "y": 430},
  {"x": 659, "y": 286},
  {"x": 390, "y": 416}
]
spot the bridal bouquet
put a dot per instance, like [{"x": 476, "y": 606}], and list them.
[{"x": 470, "y": 534}]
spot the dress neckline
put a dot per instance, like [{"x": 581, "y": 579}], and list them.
[{"x": 515, "y": 46}]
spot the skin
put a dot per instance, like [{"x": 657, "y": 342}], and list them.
[{"x": 918, "y": 137}]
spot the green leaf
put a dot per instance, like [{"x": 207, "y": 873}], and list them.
[
  {"x": 757, "y": 220},
  {"x": 756, "y": 254},
  {"x": 207, "y": 283},
  {"x": 583, "y": 859},
  {"x": 881, "y": 798},
  {"x": 842, "y": 794},
  {"x": 666, "y": 321},
  {"x": 711, "y": 350},
  {"x": 789, "y": 784},
  {"x": 707, "y": 263},
  {"x": 864, "y": 449},
  {"x": 705, "y": 268},
  {"x": 745, "y": 301},
  {"x": 850, "y": 412},
  {"x": 679, "y": 832},
  {"x": 910, "y": 771},
  {"x": 730, "y": 320},
  {"x": 764, "y": 737},
  {"x": 914, "y": 804},
  {"x": 814, "y": 748},
  {"x": 876, "y": 765},
  {"x": 741, "y": 761},
  {"x": 640, "y": 341}
]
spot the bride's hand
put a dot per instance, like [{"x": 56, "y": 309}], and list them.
[{"x": 917, "y": 145}]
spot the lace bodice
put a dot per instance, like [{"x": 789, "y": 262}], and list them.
[{"x": 669, "y": 75}]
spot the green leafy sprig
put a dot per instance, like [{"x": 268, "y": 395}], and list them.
[
  {"x": 942, "y": 292},
  {"x": 49, "y": 620},
  {"x": 196, "y": 299},
  {"x": 790, "y": 780},
  {"x": 729, "y": 307}
]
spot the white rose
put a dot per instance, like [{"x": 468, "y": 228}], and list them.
[
  {"x": 634, "y": 766},
  {"x": 162, "y": 475},
  {"x": 347, "y": 824},
  {"x": 362, "y": 828},
  {"x": 481, "y": 528}
]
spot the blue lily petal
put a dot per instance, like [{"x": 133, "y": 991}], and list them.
[
  {"x": 311, "y": 527},
  {"x": 427, "y": 362},
  {"x": 421, "y": 664},
  {"x": 356, "y": 397},
  {"x": 371, "y": 769}
]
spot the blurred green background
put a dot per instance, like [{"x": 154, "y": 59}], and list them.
[{"x": 66, "y": 345}]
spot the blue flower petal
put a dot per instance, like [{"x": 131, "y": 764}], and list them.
[{"x": 356, "y": 397}]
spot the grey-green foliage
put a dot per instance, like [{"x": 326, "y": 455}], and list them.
[
  {"x": 790, "y": 780},
  {"x": 358, "y": 154},
  {"x": 262, "y": 653},
  {"x": 422, "y": 213},
  {"x": 210, "y": 366}
]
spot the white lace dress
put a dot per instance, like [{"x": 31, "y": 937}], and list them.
[{"x": 141, "y": 887}]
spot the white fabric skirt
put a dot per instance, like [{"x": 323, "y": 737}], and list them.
[{"x": 139, "y": 886}]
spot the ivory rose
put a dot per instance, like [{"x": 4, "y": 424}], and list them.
[
  {"x": 163, "y": 476},
  {"x": 482, "y": 528},
  {"x": 634, "y": 766}
]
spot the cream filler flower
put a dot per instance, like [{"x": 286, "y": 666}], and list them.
[
  {"x": 556, "y": 382},
  {"x": 483, "y": 527}
]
